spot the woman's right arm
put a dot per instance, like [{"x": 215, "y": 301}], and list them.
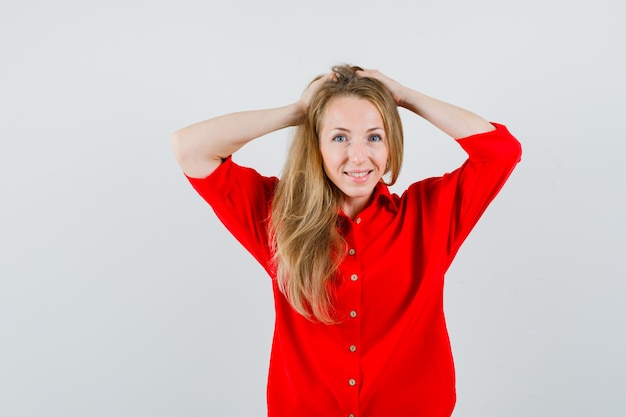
[{"x": 201, "y": 147}]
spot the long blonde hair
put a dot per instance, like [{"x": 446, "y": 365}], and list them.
[{"x": 307, "y": 245}]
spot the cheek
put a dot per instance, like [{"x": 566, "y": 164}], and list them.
[
  {"x": 383, "y": 158},
  {"x": 329, "y": 166},
  {"x": 326, "y": 164},
  {"x": 324, "y": 156},
  {"x": 329, "y": 158}
]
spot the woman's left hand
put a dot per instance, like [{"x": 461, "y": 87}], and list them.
[
  {"x": 453, "y": 120},
  {"x": 398, "y": 91}
]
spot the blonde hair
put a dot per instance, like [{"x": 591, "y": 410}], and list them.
[{"x": 307, "y": 245}]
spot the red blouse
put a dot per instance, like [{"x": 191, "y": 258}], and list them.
[{"x": 390, "y": 355}]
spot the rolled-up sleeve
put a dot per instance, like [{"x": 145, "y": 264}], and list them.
[
  {"x": 241, "y": 199},
  {"x": 454, "y": 202}
]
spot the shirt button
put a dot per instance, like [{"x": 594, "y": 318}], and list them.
[
  {"x": 352, "y": 348},
  {"x": 354, "y": 277},
  {"x": 358, "y": 220},
  {"x": 350, "y": 415},
  {"x": 353, "y": 314},
  {"x": 351, "y": 251},
  {"x": 352, "y": 382}
]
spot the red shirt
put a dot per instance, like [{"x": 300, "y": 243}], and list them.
[{"x": 390, "y": 355}]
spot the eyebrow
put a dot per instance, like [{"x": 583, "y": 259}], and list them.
[{"x": 343, "y": 129}]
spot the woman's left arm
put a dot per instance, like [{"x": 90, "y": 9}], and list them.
[{"x": 453, "y": 120}]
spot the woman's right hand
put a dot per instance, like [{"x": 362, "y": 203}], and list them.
[
  {"x": 307, "y": 96},
  {"x": 201, "y": 147}
]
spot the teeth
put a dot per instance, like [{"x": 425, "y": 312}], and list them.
[{"x": 357, "y": 174}]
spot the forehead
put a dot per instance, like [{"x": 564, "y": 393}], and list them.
[{"x": 350, "y": 112}]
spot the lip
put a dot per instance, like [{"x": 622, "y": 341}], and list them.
[{"x": 359, "y": 177}]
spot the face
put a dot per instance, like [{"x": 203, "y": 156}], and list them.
[{"x": 353, "y": 144}]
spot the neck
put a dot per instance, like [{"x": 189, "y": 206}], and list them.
[{"x": 351, "y": 207}]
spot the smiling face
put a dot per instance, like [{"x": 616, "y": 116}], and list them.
[{"x": 353, "y": 144}]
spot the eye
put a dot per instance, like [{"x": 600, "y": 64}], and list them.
[
  {"x": 339, "y": 138},
  {"x": 376, "y": 138}
]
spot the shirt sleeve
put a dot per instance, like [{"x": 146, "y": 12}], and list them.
[
  {"x": 455, "y": 202},
  {"x": 241, "y": 199}
]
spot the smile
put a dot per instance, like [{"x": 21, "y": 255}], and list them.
[
  {"x": 358, "y": 177},
  {"x": 357, "y": 174}
]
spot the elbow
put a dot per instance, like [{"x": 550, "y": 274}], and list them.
[
  {"x": 516, "y": 150},
  {"x": 191, "y": 157},
  {"x": 511, "y": 152},
  {"x": 177, "y": 142},
  {"x": 509, "y": 147}
]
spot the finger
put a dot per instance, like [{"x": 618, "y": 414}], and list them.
[
  {"x": 331, "y": 76},
  {"x": 369, "y": 73}
]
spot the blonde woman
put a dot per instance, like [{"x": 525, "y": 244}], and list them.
[{"x": 357, "y": 272}]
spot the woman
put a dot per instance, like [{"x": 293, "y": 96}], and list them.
[{"x": 357, "y": 272}]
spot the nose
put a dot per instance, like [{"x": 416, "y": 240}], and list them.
[{"x": 357, "y": 152}]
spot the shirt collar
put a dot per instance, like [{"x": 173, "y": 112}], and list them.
[{"x": 383, "y": 197}]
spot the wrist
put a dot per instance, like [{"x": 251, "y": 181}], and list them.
[
  {"x": 410, "y": 99},
  {"x": 296, "y": 113}
]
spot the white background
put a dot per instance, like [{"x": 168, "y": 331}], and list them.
[{"x": 122, "y": 295}]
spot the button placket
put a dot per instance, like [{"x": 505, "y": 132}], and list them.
[{"x": 352, "y": 307}]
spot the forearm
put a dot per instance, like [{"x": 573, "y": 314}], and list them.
[
  {"x": 453, "y": 120},
  {"x": 201, "y": 147}
]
